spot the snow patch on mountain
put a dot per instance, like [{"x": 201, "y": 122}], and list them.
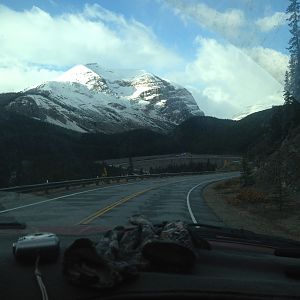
[{"x": 89, "y": 98}]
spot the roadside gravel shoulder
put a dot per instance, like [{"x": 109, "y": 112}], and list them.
[{"x": 240, "y": 217}]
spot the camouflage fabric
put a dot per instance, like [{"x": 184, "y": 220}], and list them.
[
  {"x": 122, "y": 252},
  {"x": 167, "y": 245}
]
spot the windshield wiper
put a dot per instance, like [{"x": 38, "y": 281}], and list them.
[
  {"x": 10, "y": 223},
  {"x": 288, "y": 252},
  {"x": 228, "y": 234}
]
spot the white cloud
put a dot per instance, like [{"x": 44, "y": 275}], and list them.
[
  {"x": 16, "y": 78},
  {"x": 274, "y": 62},
  {"x": 223, "y": 79},
  {"x": 234, "y": 25},
  {"x": 271, "y": 22},
  {"x": 93, "y": 35},
  {"x": 213, "y": 106},
  {"x": 227, "y": 23},
  {"x": 230, "y": 80}
]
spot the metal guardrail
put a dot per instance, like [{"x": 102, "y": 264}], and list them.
[{"x": 98, "y": 180}]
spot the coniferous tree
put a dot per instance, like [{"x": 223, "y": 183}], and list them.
[
  {"x": 287, "y": 96},
  {"x": 292, "y": 79}
]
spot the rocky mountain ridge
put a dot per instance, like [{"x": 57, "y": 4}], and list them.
[{"x": 88, "y": 98}]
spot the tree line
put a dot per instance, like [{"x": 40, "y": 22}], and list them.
[
  {"x": 32, "y": 151},
  {"x": 292, "y": 75}
]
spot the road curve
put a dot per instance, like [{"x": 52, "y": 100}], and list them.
[{"x": 158, "y": 199}]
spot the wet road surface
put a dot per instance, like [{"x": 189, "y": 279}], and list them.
[{"x": 158, "y": 199}]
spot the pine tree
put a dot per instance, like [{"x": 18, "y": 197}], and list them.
[
  {"x": 292, "y": 84},
  {"x": 287, "y": 96}
]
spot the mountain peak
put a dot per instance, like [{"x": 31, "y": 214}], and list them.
[
  {"x": 94, "y": 76},
  {"x": 79, "y": 73},
  {"x": 117, "y": 74},
  {"x": 91, "y": 98}
]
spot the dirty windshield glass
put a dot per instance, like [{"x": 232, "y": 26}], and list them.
[{"x": 143, "y": 112}]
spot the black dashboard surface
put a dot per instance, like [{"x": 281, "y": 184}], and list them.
[{"x": 219, "y": 271}]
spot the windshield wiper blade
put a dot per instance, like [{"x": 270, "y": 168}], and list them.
[
  {"x": 288, "y": 252},
  {"x": 240, "y": 235},
  {"x": 10, "y": 223}
]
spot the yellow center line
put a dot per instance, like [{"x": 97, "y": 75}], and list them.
[{"x": 106, "y": 209}]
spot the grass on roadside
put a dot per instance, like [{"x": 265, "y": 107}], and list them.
[{"x": 237, "y": 195}]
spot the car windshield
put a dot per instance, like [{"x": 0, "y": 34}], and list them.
[{"x": 169, "y": 109}]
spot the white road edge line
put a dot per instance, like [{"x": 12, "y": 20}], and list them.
[
  {"x": 188, "y": 199},
  {"x": 194, "y": 187},
  {"x": 101, "y": 188},
  {"x": 60, "y": 197},
  {"x": 189, "y": 193},
  {"x": 66, "y": 196}
]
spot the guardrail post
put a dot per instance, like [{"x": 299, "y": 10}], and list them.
[{"x": 47, "y": 187}]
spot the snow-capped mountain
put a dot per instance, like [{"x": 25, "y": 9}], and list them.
[{"x": 88, "y": 98}]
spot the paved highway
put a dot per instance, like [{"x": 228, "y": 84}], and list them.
[{"x": 110, "y": 205}]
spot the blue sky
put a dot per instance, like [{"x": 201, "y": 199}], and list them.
[
  {"x": 231, "y": 54},
  {"x": 167, "y": 26}
]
